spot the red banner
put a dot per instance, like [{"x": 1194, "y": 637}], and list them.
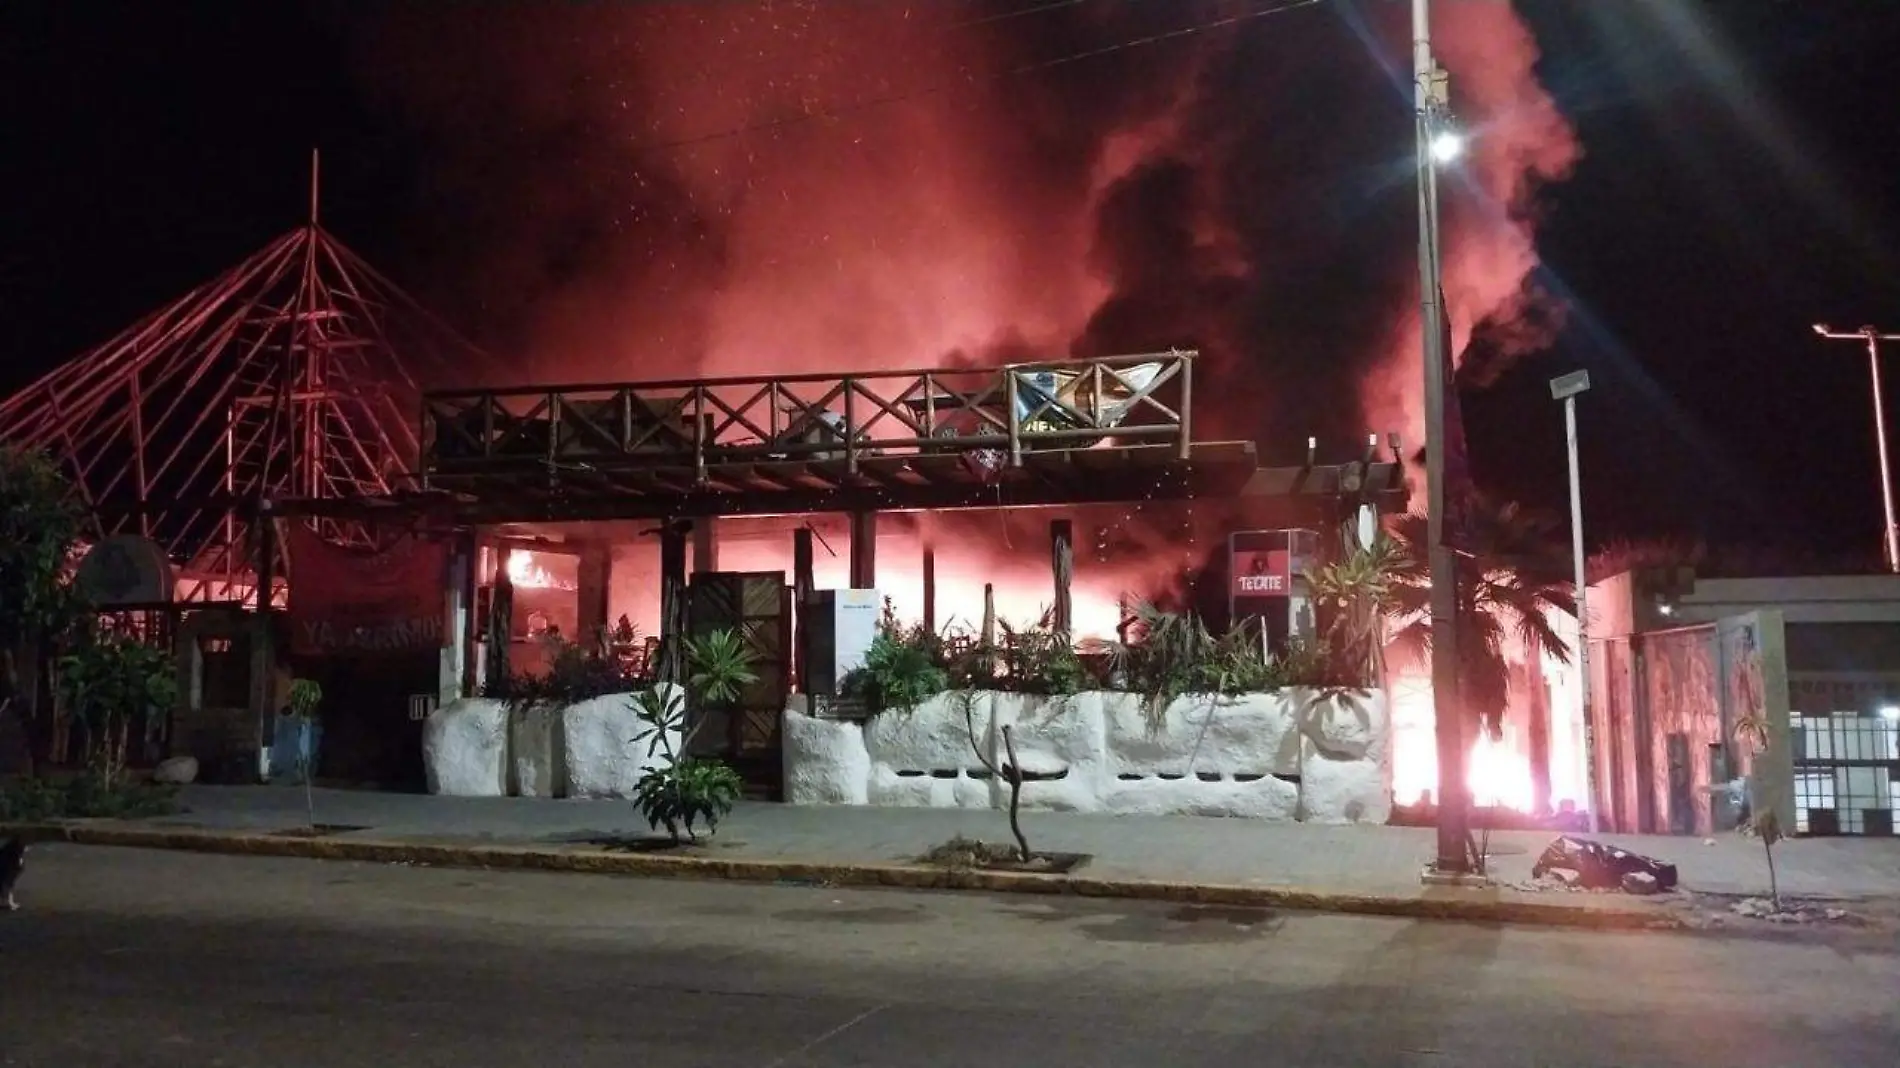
[
  {"x": 351, "y": 602},
  {"x": 1262, "y": 573}
]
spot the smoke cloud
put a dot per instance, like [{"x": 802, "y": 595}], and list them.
[{"x": 907, "y": 193}]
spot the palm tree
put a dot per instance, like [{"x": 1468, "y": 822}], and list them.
[
  {"x": 1513, "y": 570},
  {"x": 1360, "y": 590}
]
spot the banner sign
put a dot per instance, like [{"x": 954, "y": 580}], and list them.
[
  {"x": 1262, "y": 572},
  {"x": 351, "y": 602}
]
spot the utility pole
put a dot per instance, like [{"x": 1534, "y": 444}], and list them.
[
  {"x": 1435, "y": 142},
  {"x": 1872, "y": 338}
]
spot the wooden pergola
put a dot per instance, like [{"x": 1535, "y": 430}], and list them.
[{"x": 1062, "y": 433}]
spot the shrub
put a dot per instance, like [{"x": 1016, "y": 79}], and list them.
[
  {"x": 1038, "y": 660},
  {"x": 689, "y": 791},
  {"x": 83, "y": 797},
  {"x": 685, "y": 790},
  {"x": 575, "y": 674},
  {"x": 899, "y": 672},
  {"x": 106, "y": 680}
]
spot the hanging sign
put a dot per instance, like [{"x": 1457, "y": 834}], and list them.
[{"x": 354, "y": 602}]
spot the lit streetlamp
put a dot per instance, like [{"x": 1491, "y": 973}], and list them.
[
  {"x": 1567, "y": 388},
  {"x": 1872, "y": 338}
]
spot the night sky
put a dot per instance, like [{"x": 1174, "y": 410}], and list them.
[{"x": 1737, "y": 184}]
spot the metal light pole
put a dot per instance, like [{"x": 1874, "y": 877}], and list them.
[
  {"x": 1566, "y": 388},
  {"x": 1435, "y": 142},
  {"x": 1873, "y": 338}
]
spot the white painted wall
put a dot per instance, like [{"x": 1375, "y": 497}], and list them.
[
  {"x": 475, "y": 748},
  {"x": 1299, "y": 754}
]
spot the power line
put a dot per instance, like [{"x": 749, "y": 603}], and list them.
[
  {"x": 1006, "y": 16},
  {"x": 871, "y": 103}
]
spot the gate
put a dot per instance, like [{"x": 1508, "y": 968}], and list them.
[
  {"x": 373, "y": 714},
  {"x": 756, "y": 606},
  {"x": 1846, "y": 742}
]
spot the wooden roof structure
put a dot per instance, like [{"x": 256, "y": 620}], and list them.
[{"x": 1078, "y": 432}]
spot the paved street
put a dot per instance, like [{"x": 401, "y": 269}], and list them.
[{"x": 126, "y": 957}]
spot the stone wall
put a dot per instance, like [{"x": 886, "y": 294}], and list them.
[
  {"x": 1319, "y": 756},
  {"x": 480, "y": 747}
]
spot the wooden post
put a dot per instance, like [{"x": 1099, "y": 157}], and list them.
[
  {"x": 1186, "y": 444},
  {"x": 595, "y": 581},
  {"x": 989, "y": 615},
  {"x": 452, "y": 675},
  {"x": 863, "y": 550},
  {"x": 501, "y": 615},
  {"x": 1062, "y": 562},
  {"x": 802, "y": 585},
  {"x": 470, "y": 627},
  {"x": 930, "y": 587},
  {"x": 672, "y": 667},
  {"x": 705, "y": 546}
]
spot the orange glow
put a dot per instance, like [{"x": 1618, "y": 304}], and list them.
[
  {"x": 526, "y": 570},
  {"x": 970, "y": 551},
  {"x": 1498, "y": 771}
]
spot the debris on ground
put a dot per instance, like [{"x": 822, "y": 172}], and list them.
[
  {"x": 1641, "y": 882},
  {"x": 1603, "y": 867},
  {"x": 1761, "y": 908}
]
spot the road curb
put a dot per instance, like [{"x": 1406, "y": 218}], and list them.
[{"x": 1434, "y": 904}]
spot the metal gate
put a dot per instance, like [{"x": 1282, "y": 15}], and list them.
[
  {"x": 1846, "y": 766},
  {"x": 757, "y": 606}
]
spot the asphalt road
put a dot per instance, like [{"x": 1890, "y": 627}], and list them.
[{"x": 129, "y": 958}]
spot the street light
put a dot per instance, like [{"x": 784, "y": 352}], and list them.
[
  {"x": 1447, "y": 146},
  {"x": 1873, "y": 338},
  {"x": 1567, "y": 388}
]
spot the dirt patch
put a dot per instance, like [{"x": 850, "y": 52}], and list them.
[
  {"x": 962, "y": 853},
  {"x": 321, "y": 830},
  {"x": 655, "y": 844}
]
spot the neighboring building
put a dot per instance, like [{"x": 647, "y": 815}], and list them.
[{"x": 1678, "y": 662}]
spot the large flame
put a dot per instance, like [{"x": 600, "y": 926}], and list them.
[
  {"x": 529, "y": 570},
  {"x": 1498, "y": 770}
]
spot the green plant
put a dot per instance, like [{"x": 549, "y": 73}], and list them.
[
  {"x": 683, "y": 790},
  {"x": 105, "y": 681},
  {"x": 686, "y": 792},
  {"x": 40, "y": 526},
  {"x": 306, "y": 696},
  {"x": 30, "y": 800},
  {"x": 575, "y": 673},
  {"x": 719, "y": 667},
  {"x": 1237, "y": 662},
  {"x": 1360, "y": 589},
  {"x": 1038, "y": 660},
  {"x": 899, "y": 672}
]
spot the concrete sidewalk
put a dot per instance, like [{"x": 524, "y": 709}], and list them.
[{"x": 1293, "y": 864}]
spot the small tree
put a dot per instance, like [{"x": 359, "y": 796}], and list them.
[
  {"x": 105, "y": 681},
  {"x": 306, "y": 696},
  {"x": 687, "y": 789},
  {"x": 1764, "y": 817},
  {"x": 40, "y": 524},
  {"x": 1010, "y": 772},
  {"x": 1361, "y": 588}
]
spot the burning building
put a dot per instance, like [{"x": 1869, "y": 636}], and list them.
[{"x": 720, "y": 253}]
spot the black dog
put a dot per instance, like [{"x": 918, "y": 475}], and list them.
[{"x": 12, "y": 863}]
